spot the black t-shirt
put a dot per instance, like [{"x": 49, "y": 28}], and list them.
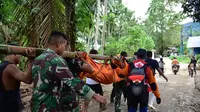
[
  {"x": 153, "y": 63},
  {"x": 194, "y": 62}
]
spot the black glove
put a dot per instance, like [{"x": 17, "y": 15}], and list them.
[
  {"x": 158, "y": 100},
  {"x": 113, "y": 65}
]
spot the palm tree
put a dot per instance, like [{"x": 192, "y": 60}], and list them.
[
  {"x": 104, "y": 26},
  {"x": 34, "y": 20},
  {"x": 70, "y": 22},
  {"x": 97, "y": 25}
]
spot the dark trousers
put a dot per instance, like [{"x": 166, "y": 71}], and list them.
[
  {"x": 162, "y": 69},
  {"x": 112, "y": 96},
  {"x": 195, "y": 70},
  {"x": 117, "y": 90},
  {"x": 119, "y": 86},
  {"x": 134, "y": 101}
]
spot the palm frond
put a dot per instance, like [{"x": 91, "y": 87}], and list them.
[
  {"x": 49, "y": 17},
  {"x": 36, "y": 19}
]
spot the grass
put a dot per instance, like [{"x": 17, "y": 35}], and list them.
[{"x": 182, "y": 59}]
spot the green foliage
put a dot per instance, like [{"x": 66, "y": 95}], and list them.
[
  {"x": 30, "y": 22},
  {"x": 118, "y": 20},
  {"x": 198, "y": 59},
  {"x": 171, "y": 57},
  {"x": 186, "y": 50},
  {"x": 85, "y": 15},
  {"x": 182, "y": 59},
  {"x": 6, "y": 10},
  {"x": 23, "y": 63},
  {"x": 135, "y": 39},
  {"x": 198, "y": 56},
  {"x": 192, "y": 9},
  {"x": 149, "y": 43},
  {"x": 80, "y": 46},
  {"x": 111, "y": 47},
  {"x": 163, "y": 24}
]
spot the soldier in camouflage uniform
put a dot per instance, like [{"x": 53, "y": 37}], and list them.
[
  {"x": 118, "y": 88},
  {"x": 76, "y": 66},
  {"x": 55, "y": 88}
]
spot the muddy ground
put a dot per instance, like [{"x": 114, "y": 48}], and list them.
[{"x": 178, "y": 94}]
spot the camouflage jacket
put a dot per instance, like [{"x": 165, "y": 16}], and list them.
[
  {"x": 55, "y": 88},
  {"x": 74, "y": 65}
]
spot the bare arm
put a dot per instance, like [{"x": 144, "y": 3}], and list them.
[
  {"x": 162, "y": 74},
  {"x": 25, "y": 77},
  {"x": 19, "y": 75}
]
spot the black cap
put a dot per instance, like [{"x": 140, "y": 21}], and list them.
[
  {"x": 149, "y": 54},
  {"x": 123, "y": 53},
  {"x": 141, "y": 53},
  {"x": 93, "y": 51}
]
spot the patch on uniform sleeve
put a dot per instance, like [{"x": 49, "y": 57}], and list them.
[{"x": 60, "y": 69}]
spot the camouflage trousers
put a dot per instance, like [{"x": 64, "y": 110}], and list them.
[
  {"x": 79, "y": 108},
  {"x": 118, "y": 88},
  {"x": 118, "y": 95}
]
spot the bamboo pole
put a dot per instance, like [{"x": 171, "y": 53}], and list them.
[{"x": 8, "y": 49}]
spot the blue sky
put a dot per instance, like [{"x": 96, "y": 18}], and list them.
[{"x": 141, "y": 6}]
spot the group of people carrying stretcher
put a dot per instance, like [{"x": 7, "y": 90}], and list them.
[{"x": 58, "y": 85}]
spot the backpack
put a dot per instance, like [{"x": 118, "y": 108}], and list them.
[{"x": 137, "y": 79}]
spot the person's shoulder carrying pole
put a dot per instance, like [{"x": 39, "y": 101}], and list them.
[{"x": 112, "y": 64}]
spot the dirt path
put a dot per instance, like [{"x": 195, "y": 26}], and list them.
[{"x": 178, "y": 95}]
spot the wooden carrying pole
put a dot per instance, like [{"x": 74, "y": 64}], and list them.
[{"x": 8, "y": 49}]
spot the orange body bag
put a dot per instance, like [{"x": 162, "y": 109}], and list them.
[{"x": 103, "y": 73}]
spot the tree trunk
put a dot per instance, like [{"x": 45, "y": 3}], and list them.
[
  {"x": 162, "y": 35},
  {"x": 70, "y": 22},
  {"x": 162, "y": 46},
  {"x": 104, "y": 26},
  {"x": 97, "y": 25},
  {"x": 88, "y": 41},
  {"x": 108, "y": 30}
]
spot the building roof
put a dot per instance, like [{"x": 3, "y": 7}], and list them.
[{"x": 193, "y": 42}]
